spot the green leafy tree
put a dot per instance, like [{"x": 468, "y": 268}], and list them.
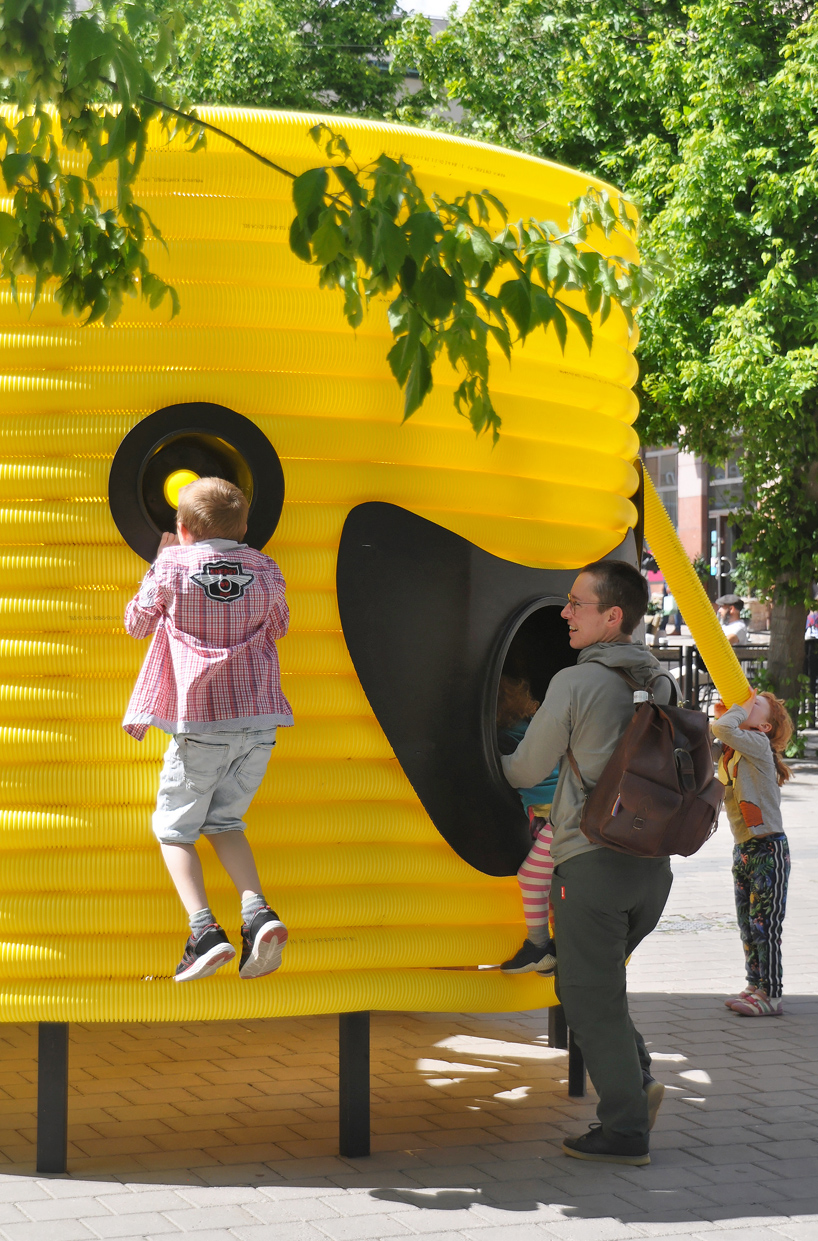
[
  {"x": 370, "y": 231},
  {"x": 316, "y": 55},
  {"x": 707, "y": 114},
  {"x": 50, "y": 54},
  {"x": 563, "y": 79}
]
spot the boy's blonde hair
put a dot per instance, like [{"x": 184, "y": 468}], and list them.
[
  {"x": 782, "y": 728},
  {"x": 213, "y": 508}
]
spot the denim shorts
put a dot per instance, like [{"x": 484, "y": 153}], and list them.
[{"x": 208, "y": 781}]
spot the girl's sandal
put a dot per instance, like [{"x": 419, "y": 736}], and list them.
[
  {"x": 738, "y": 999},
  {"x": 758, "y": 1005}
]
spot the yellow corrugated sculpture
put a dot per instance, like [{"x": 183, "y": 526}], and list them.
[{"x": 389, "y": 916}]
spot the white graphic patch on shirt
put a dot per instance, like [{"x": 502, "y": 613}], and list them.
[{"x": 223, "y": 580}]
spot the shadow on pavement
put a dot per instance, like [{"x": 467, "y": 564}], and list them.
[{"x": 468, "y": 1116}]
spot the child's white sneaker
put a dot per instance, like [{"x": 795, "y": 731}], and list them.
[
  {"x": 204, "y": 954},
  {"x": 262, "y": 943}
]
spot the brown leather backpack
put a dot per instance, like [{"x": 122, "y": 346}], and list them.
[{"x": 658, "y": 794}]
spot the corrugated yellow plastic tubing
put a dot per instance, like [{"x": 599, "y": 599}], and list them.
[
  {"x": 135, "y": 783},
  {"x": 66, "y": 698},
  {"x": 694, "y": 604},
  {"x": 308, "y": 952},
  {"x": 462, "y": 905},
  {"x": 283, "y": 866},
  {"x": 88, "y": 827},
  {"x": 285, "y": 995},
  {"x": 381, "y": 912}
]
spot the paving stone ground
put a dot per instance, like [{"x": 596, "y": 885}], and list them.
[{"x": 228, "y": 1131}]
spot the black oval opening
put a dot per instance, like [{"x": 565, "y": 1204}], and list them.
[
  {"x": 206, "y": 440},
  {"x": 535, "y": 648},
  {"x": 539, "y": 647}
]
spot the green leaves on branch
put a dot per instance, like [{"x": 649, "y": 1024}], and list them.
[
  {"x": 54, "y": 60},
  {"x": 462, "y": 279}
]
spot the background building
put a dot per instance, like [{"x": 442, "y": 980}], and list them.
[{"x": 701, "y": 499}]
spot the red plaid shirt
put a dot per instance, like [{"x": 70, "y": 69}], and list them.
[{"x": 214, "y": 609}]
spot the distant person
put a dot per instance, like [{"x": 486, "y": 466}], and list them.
[
  {"x": 671, "y": 616},
  {"x": 754, "y": 736},
  {"x": 811, "y": 648},
  {"x": 730, "y": 608},
  {"x": 211, "y": 679},
  {"x": 515, "y": 708}
]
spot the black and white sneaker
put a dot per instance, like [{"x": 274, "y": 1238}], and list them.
[
  {"x": 531, "y": 959},
  {"x": 262, "y": 943},
  {"x": 204, "y": 954}
]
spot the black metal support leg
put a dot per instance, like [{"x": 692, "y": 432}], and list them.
[
  {"x": 557, "y": 1029},
  {"x": 353, "y": 1083},
  {"x": 576, "y": 1069},
  {"x": 52, "y": 1096}
]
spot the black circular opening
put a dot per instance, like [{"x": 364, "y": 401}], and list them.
[
  {"x": 208, "y": 441},
  {"x": 207, "y": 456}
]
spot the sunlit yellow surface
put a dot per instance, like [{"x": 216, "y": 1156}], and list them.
[{"x": 382, "y": 913}]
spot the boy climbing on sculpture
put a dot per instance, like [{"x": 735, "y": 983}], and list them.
[{"x": 211, "y": 679}]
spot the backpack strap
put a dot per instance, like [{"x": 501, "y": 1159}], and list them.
[
  {"x": 569, "y": 754},
  {"x": 634, "y": 685},
  {"x": 648, "y": 685}
]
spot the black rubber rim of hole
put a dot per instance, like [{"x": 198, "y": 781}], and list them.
[{"x": 140, "y": 445}]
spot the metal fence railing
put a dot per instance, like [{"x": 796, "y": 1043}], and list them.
[{"x": 685, "y": 663}]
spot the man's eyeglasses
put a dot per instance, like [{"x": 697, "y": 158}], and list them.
[{"x": 575, "y": 604}]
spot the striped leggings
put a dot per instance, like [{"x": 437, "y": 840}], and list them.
[
  {"x": 535, "y": 883},
  {"x": 761, "y": 868}
]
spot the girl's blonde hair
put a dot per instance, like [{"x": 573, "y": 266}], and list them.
[
  {"x": 782, "y": 728},
  {"x": 514, "y": 701}
]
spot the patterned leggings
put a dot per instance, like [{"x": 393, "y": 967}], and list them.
[
  {"x": 761, "y": 868},
  {"x": 534, "y": 877}
]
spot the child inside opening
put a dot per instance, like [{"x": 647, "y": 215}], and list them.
[
  {"x": 515, "y": 707},
  {"x": 754, "y": 736},
  {"x": 211, "y": 678}
]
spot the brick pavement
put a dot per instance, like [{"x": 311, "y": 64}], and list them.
[{"x": 227, "y": 1131}]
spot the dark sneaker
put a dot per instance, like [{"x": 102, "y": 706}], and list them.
[
  {"x": 656, "y": 1093},
  {"x": 531, "y": 959},
  {"x": 548, "y": 962},
  {"x": 594, "y": 1146},
  {"x": 204, "y": 954},
  {"x": 262, "y": 943}
]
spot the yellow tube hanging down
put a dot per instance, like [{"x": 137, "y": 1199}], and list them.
[{"x": 694, "y": 604}]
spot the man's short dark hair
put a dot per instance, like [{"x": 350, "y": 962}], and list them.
[{"x": 619, "y": 585}]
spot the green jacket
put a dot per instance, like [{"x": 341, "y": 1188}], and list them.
[{"x": 587, "y": 707}]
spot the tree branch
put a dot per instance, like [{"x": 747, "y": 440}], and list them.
[{"x": 213, "y": 129}]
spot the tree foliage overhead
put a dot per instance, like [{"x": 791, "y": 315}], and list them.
[
  {"x": 707, "y": 115},
  {"x": 562, "y": 79},
  {"x": 370, "y": 231},
  {"x": 55, "y": 226},
  {"x": 313, "y": 55},
  {"x": 373, "y": 232}
]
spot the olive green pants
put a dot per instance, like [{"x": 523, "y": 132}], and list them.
[{"x": 605, "y": 903}]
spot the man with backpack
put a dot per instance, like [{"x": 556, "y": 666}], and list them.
[{"x": 605, "y": 901}]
